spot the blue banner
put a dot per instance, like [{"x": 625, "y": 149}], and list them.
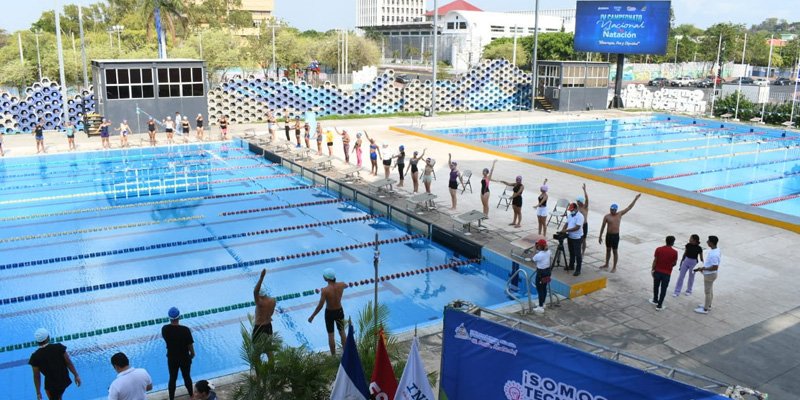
[
  {"x": 622, "y": 27},
  {"x": 483, "y": 360}
]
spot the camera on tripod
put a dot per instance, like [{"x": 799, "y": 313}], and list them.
[{"x": 560, "y": 236}]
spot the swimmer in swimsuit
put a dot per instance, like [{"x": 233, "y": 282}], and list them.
[
  {"x": 412, "y": 165},
  {"x": 265, "y": 307},
  {"x": 331, "y": 297},
  {"x": 427, "y": 174},
  {"x": 487, "y": 177}
]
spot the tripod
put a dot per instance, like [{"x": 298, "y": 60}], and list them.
[{"x": 560, "y": 254}]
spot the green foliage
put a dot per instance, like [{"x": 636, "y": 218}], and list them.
[
  {"x": 775, "y": 114},
  {"x": 15, "y": 74},
  {"x": 503, "y": 48},
  {"x": 552, "y": 46}
]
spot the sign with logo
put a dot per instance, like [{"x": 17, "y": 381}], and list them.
[
  {"x": 483, "y": 360},
  {"x": 622, "y": 27}
]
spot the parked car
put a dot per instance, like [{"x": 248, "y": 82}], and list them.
[
  {"x": 658, "y": 82},
  {"x": 744, "y": 80},
  {"x": 783, "y": 82},
  {"x": 404, "y": 79},
  {"x": 709, "y": 82},
  {"x": 683, "y": 81},
  {"x": 761, "y": 81}
]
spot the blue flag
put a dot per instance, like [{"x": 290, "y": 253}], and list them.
[{"x": 350, "y": 382}]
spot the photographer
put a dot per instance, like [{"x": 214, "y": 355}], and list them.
[
  {"x": 543, "y": 272},
  {"x": 574, "y": 231}
]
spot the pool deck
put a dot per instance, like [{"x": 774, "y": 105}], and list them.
[{"x": 750, "y": 338}]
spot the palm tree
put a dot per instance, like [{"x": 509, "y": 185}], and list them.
[{"x": 173, "y": 15}]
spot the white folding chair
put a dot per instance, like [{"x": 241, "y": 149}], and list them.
[
  {"x": 465, "y": 181},
  {"x": 505, "y": 197},
  {"x": 559, "y": 212}
]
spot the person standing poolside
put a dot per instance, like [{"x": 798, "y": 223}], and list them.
[
  {"x": 373, "y": 155},
  {"x": 414, "y": 167},
  {"x": 104, "y": 127},
  {"x": 287, "y": 124},
  {"x": 180, "y": 351},
  {"x": 329, "y": 142},
  {"x": 2, "y": 153},
  {"x": 541, "y": 209},
  {"x": 131, "y": 383},
  {"x": 583, "y": 208},
  {"x": 357, "y": 149},
  {"x": 169, "y": 128},
  {"x": 38, "y": 133},
  {"x": 345, "y": 144},
  {"x": 331, "y": 297},
  {"x": 307, "y": 134},
  {"x": 186, "y": 129},
  {"x": 265, "y": 307},
  {"x": 487, "y": 177},
  {"x": 199, "y": 122},
  {"x": 709, "y": 273},
  {"x": 613, "y": 219},
  {"x": 574, "y": 231},
  {"x": 69, "y": 131},
  {"x": 271, "y": 125},
  {"x": 427, "y": 174},
  {"x": 123, "y": 129},
  {"x": 298, "y": 126},
  {"x": 386, "y": 155},
  {"x": 664, "y": 260},
  {"x": 223, "y": 127},
  {"x": 401, "y": 164},
  {"x": 452, "y": 183},
  {"x": 151, "y": 130},
  {"x": 543, "y": 272},
  {"x": 691, "y": 253},
  {"x": 516, "y": 200},
  {"x": 319, "y": 137},
  {"x": 52, "y": 361}
]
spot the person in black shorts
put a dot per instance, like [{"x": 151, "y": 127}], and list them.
[
  {"x": 287, "y": 124},
  {"x": 52, "y": 361},
  {"x": 151, "y": 130},
  {"x": 487, "y": 177},
  {"x": 180, "y": 351},
  {"x": 199, "y": 124},
  {"x": 223, "y": 126},
  {"x": 516, "y": 200},
  {"x": 265, "y": 307},
  {"x": 452, "y": 183},
  {"x": 331, "y": 297},
  {"x": 38, "y": 132},
  {"x": 298, "y": 126},
  {"x": 401, "y": 164}
]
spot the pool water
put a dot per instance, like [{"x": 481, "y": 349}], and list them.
[
  {"x": 755, "y": 166},
  {"x": 98, "y": 246}
]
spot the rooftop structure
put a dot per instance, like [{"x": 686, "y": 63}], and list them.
[{"x": 371, "y": 13}]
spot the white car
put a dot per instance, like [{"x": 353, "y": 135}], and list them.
[
  {"x": 683, "y": 81},
  {"x": 761, "y": 81}
]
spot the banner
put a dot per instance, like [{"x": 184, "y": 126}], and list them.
[
  {"x": 484, "y": 360},
  {"x": 622, "y": 27}
]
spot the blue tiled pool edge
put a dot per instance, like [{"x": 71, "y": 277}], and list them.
[{"x": 768, "y": 217}]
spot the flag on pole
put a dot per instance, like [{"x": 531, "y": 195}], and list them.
[
  {"x": 350, "y": 382},
  {"x": 383, "y": 385},
  {"x": 414, "y": 382}
]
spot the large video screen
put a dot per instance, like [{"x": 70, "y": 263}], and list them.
[{"x": 622, "y": 27}]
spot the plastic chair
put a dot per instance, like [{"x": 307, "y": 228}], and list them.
[
  {"x": 465, "y": 181},
  {"x": 505, "y": 197},
  {"x": 559, "y": 212}
]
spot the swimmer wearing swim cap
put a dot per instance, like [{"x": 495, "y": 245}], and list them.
[
  {"x": 331, "y": 297},
  {"x": 265, "y": 308}
]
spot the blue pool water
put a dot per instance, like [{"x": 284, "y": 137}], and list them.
[
  {"x": 98, "y": 246},
  {"x": 756, "y": 166}
]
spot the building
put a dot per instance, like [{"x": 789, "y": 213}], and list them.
[
  {"x": 572, "y": 85},
  {"x": 372, "y": 13},
  {"x": 261, "y": 10},
  {"x": 135, "y": 90}
]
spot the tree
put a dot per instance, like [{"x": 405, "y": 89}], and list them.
[
  {"x": 16, "y": 74},
  {"x": 503, "y": 48},
  {"x": 552, "y": 46},
  {"x": 219, "y": 14},
  {"x": 172, "y": 12}
]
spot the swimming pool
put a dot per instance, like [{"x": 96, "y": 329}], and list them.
[
  {"x": 98, "y": 246},
  {"x": 755, "y": 166}
]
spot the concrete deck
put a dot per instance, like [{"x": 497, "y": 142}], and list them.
[{"x": 750, "y": 338}]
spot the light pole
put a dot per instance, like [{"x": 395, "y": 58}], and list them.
[
  {"x": 118, "y": 29},
  {"x": 535, "y": 66},
  {"x": 435, "y": 58},
  {"x": 36, "y": 34}
]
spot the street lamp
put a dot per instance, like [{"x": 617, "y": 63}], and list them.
[
  {"x": 118, "y": 29},
  {"x": 36, "y": 33}
]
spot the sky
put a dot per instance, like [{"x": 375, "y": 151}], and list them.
[{"x": 330, "y": 14}]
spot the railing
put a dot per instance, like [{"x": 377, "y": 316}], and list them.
[{"x": 510, "y": 292}]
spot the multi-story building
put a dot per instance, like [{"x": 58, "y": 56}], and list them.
[
  {"x": 372, "y": 13},
  {"x": 261, "y": 10}
]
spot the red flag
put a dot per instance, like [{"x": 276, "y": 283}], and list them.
[{"x": 384, "y": 384}]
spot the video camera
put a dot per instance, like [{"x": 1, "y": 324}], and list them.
[{"x": 560, "y": 236}]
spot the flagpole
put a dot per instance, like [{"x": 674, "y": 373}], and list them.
[
  {"x": 739, "y": 90},
  {"x": 769, "y": 67},
  {"x": 794, "y": 94},
  {"x": 83, "y": 47},
  {"x": 64, "y": 108},
  {"x": 718, "y": 75},
  {"x": 375, "y": 262}
]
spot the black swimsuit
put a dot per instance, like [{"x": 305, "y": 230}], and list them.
[
  {"x": 484, "y": 186},
  {"x": 517, "y": 201}
]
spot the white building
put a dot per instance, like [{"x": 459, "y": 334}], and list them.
[
  {"x": 472, "y": 30},
  {"x": 370, "y": 13}
]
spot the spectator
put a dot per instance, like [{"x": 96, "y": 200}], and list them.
[
  {"x": 613, "y": 219},
  {"x": 180, "y": 351},
  {"x": 664, "y": 260},
  {"x": 574, "y": 230},
  {"x": 131, "y": 383},
  {"x": 204, "y": 390},
  {"x": 691, "y": 254},
  {"x": 709, "y": 274},
  {"x": 52, "y": 361},
  {"x": 543, "y": 272}
]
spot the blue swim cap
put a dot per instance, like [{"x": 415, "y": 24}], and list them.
[
  {"x": 614, "y": 206},
  {"x": 402, "y": 147},
  {"x": 174, "y": 313},
  {"x": 329, "y": 274},
  {"x": 41, "y": 335},
  {"x": 580, "y": 199}
]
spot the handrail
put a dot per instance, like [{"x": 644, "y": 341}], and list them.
[{"x": 527, "y": 287}]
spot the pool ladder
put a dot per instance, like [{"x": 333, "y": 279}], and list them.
[{"x": 528, "y": 284}]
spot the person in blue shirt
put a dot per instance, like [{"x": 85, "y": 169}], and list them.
[{"x": 69, "y": 130}]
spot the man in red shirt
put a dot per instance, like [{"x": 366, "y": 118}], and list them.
[{"x": 664, "y": 260}]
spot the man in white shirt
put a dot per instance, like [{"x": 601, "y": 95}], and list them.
[
  {"x": 709, "y": 270},
  {"x": 543, "y": 272},
  {"x": 131, "y": 383},
  {"x": 574, "y": 230}
]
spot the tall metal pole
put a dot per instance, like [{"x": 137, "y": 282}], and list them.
[
  {"x": 435, "y": 58},
  {"x": 794, "y": 94},
  {"x": 535, "y": 66},
  {"x": 739, "y": 90},
  {"x": 769, "y": 67},
  {"x": 200, "y": 33},
  {"x": 719, "y": 74},
  {"x": 274, "y": 63},
  {"x": 375, "y": 262},
  {"x": 110, "y": 40},
  {"x": 19, "y": 41},
  {"x": 36, "y": 34},
  {"x": 514, "y": 51},
  {"x": 676, "y": 51},
  {"x": 83, "y": 48},
  {"x": 61, "y": 77}
]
